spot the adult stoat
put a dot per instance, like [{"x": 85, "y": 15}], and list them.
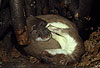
[{"x": 54, "y": 39}]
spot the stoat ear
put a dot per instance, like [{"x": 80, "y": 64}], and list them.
[{"x": 30, "y": 20}]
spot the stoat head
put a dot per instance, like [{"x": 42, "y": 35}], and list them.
[{"x": 38, "y": 30}]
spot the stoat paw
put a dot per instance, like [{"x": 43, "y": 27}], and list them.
[
  {"x": 59, "y": 59},
  {"x": 46, "y": 57}
]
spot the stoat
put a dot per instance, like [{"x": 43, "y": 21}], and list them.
[
  {"x": 59, "y": 32},
  {"x": 56, "y": 41}
]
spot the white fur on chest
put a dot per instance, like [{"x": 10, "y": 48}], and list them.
[{"x": 66, "y": 42}]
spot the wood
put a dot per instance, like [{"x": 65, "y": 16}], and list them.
[{"x": 18, "y": 20}]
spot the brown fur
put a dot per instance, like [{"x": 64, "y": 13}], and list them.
[{"x": 37, "y": 48}]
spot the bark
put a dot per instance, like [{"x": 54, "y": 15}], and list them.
[
  {"x": 4, "y": 23},
  {"x": 18, "y": 19},
  {"x": 41, "y": 7},
  {"x": 29, "y": 7},
  {"x": 84, "y": 7},
  {"x": 3, "y": 4},
  {"x": 73, "y": 6}
]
